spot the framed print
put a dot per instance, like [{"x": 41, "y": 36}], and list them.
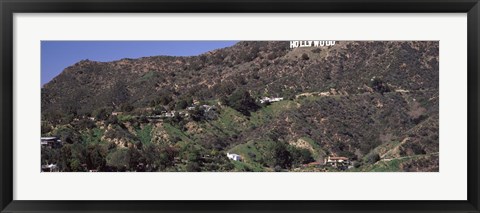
[{"x": 239, "y": 106}]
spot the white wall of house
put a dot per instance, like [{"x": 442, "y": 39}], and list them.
[{"x": 234, "y": 157}]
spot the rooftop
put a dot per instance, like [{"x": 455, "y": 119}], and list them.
[
  {"x": 338, "y": 158},
  {"x": 48, "y": 138}
]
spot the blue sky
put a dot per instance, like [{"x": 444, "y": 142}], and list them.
[{"x": 57, "y": 55}]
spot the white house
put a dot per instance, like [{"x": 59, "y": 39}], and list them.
[
  {"x": 337, "y": 161},
  {"x": 207, "y": 108},
  {"x": 49, "y": 168},
  {"x": 234, "y": 157},
  {"x": 116, "y": 113},
  {"x": 50, "y": 141},
  {"x": 169, "y": 114},
  {"x": 270, "y": 100}
]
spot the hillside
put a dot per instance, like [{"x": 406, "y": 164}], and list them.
[{"x": 375, "y": 103}]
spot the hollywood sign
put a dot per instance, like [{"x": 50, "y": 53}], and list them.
[{"x": 296, "y": 44}]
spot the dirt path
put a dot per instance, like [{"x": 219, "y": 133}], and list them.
[{"x": 406, "y": 157}]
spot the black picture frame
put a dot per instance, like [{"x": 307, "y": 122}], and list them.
[{"x": 9, "y": 7}]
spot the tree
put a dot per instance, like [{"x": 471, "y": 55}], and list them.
[
  {"x": 373, "y": 158},
  {"x": 167, "y": 157},
  {"x": 193, "y": 155},
  {"x": 379, "y": 86},
  {"x": 112, "y": 120},
  {"x": 46, "y": 128},
  {"x": 300, "y": 155},
  {"x": 134, "y": 157},
  {"x": 181, "y": 104},
  {"x": 150, "y": 154},
  {"x": 79, "y": 152},
  {"x": 164, "y": 99},
  {"x": 101, "y": 113},
  {"x": 197, "y": 114},
  {"x": 50, "y": 155},
  {"x": 84, "y": 124},
  {"x": 158, "y": 110},
  {"x": 71, "y": 158},
  {"x": 241, "y": 101},
  {"x": 226, "y": 88},
  {"x": 68, "y": 135},
  {"x": 159, "y": 157},
  {"x": 96, "y": 155},
  {"x": 118, "y": 159},
  {"x": 126, "y": 107},
  {"x": 65, "y": 155},
  {"x": 52, "y": 115},
  {"x": 276, "y": 154},
  {"x": 217, "y": 143},
  {"x": 193, "y": 167}
]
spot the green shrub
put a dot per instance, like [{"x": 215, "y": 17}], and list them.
[{"x": 372, "y": 158}]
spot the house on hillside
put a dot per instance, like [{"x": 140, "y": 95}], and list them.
[
  {"x": 52, "y": 142},
  {"x": 204, "y": 107},
  {"x": 209, "y": 112},
  {"x": 50, "y": 168},
  {"x": 207, "y": 108},
  {"x": 116, "y": 113},
  {"x": 154, "y": 117},
  {"x": 337, "y": 162},
  {"x": 169, "y": 114},
  {"x": 234, "y": 157},
  {"x": 265, "y": 100}
]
